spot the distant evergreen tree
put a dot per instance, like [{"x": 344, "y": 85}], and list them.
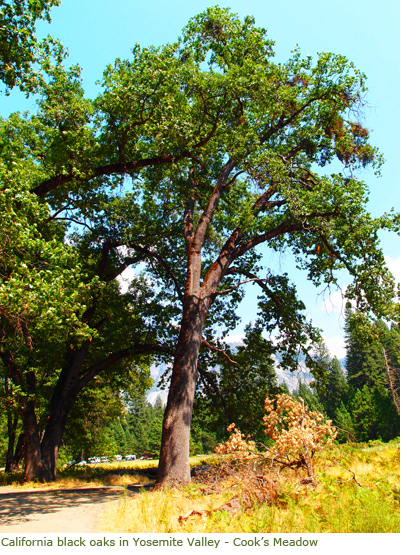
[
  {"x": 202, "y": 440},
  {"x": 344, "y": 422},
  {"x": 373, "y": 370},
  {"x": 121, "y": 436},
  {"x": 365, "y": 361},
  {"x": 154, "y": 432},
  {"x": 374, "y": 415},
  {"x": 335, "y": 391},
  {"x": 138, "y": 423},
  {"x": 235, "y": 393},
  {"x": 310, "y": 396}
]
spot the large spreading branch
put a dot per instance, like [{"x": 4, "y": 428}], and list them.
[
  {"x": 136, "y": 349},
  {"x": 111, "y": 169},
  {"x": 208, "y": 212}
]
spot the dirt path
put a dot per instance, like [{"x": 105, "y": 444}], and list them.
[{"x": 52, "y": 511}]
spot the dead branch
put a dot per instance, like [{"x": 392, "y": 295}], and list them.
[
  {"x": 351, "y": 471},
  {"x": 346, "y": 432},
  {"x": 395, "y": 395}
]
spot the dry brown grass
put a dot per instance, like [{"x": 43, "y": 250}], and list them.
[{"x": 272, "y": 503}]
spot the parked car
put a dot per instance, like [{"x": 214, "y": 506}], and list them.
[
  {"x": 130, "y": 458},
  {"x": 81, "y": 463},
  {"x": 118, "y": 457},
  {"x": 94, "y": 460},
  {"x": 104, "y": 460}
]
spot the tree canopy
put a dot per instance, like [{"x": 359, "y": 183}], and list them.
[{"x": 19, "y": 47}]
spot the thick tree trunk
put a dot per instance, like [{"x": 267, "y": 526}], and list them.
[
  {"x": 174, "y": 467},
  {"x": 35, "y": 469},
  {"x": 19, "y": 451},
  {"x": 62, "y": 401},
  {"x": 54, "y": 430},
  {"x": 15, "y": 453}
]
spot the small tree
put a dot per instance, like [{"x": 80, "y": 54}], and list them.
[{"x": 297, "y": 434}]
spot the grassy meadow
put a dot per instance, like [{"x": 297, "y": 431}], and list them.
[
  {"x": 337, "y": 505},
  {"x": 358, "y": 491}
]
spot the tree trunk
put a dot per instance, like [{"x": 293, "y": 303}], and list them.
[
  {"x": 62, "y": 401},
  {"x": 14, "y": 453},
  {"x": 174, "y": 467},
  {"x": 11, "y": 431},
  {"x": 54, "y": 430},
  {"x": 19, "y": 451},
  {"x": 35, "y": 469}
]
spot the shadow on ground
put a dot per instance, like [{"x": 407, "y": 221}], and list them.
[{"x": 20, "y": 507}]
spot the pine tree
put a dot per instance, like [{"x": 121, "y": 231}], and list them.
[
  {"x": 372, "y": 354},
  {"x": 344, "y": 423},
  {"x": 336, "y": 389},
  {"x": 311, "y": 398}
]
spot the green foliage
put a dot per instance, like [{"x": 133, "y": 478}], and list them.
[
  {"x": 333, "y": 390},
  {"x": 138, "y": 429},
  {"x": 311, "y": 398},
  {"x": 344, "y": 422},
  {"x": 234, "y": 389},
  {"x": 18, "y": 43},
  {"x": 373, "y": 371},
  {"x": 374, "y": 414},
  {"x": 88, "y": 430}
]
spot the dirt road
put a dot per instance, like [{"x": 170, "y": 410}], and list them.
[{"x": 52, "y": 511}]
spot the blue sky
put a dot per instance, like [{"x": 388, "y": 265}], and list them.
[{"x": 366, "y": 31}]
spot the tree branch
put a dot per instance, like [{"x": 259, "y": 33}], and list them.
[
  {"x": 136, "y": 349},
  {"x": 211, "y": 205},
  {"x": 214, "y": 349},
  {"x": 225, "y": 291},
  {"x": 169, "y": 272},
  {"x": 261, "y": 282},
  {"x": 120, "y": 168}
]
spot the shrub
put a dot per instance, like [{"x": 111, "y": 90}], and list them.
[{"x": 295, "y": 433}]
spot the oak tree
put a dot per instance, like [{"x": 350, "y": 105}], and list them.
[{"x": 193, "y": 158}]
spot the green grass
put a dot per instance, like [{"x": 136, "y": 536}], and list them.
[{"x": 337, "y": 505}]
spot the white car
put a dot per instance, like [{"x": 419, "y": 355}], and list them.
[
  {"x": 118, "y": 457},
  {"x": 130, "y": 458}
]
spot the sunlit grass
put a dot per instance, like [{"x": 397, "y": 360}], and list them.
[
  {"x": 337, "y": 505},
  {"x": 104, "y": 474},
  {"x": 86, "y": 476}
]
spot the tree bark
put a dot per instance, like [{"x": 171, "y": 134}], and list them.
[
  {"x": 54, "y": 431},
  {"x": 63, "y": 399},
  {"x": 174, "y": 467},
  {"x": 11, "y": 432},
  {"x": 19, "y": 451},
  {"x": 35, "y": 469}
]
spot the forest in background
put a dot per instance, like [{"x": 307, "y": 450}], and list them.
[{"x": 362, "y": 400}]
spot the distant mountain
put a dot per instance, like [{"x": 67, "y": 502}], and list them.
[
  {"x": 154, "y": 392},
  {"x": 291, "y": 379}
]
